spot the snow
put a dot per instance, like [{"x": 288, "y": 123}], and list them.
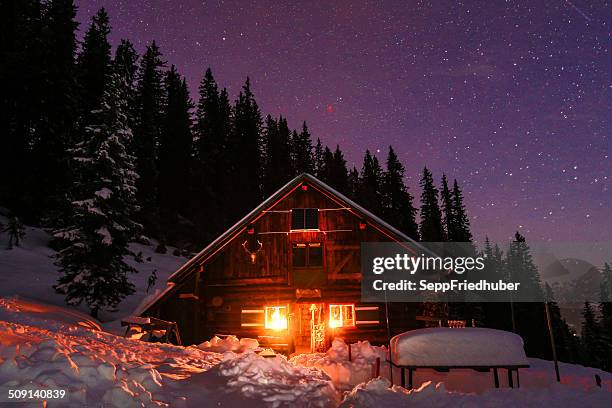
[
  {"x": 46, "y": 344},
  {"x": 28, "y": 271},
  {"x": 136, "y": 320},
  {"x": 229, "y": 343},
  {"x": 377, "y": 393},
  {"x": 104, "y": 193},
  {"x": 93, "y": 366},
  {"x": 105, "y": 234},
  {"x": 447, "y": 347},
  {"x": 346, "y": 374}
]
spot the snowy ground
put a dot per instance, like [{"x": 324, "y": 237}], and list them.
[
  {"x": 44, "y": 344},
  {"x": 45, "y": 347},
  {"x": 28, "y": 271}
]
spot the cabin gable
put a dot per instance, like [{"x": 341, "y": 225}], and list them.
[{"x": 295, "y": 259}]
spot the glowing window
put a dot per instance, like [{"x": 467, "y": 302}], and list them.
[
  {"x": 341, "y": 315},
  {"x": 276, "y": 317}
]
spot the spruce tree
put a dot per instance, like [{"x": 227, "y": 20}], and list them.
[
  {"x": 529, "y": 315},
  {"x": 605, "y": 310},
  {"x": 59, "y": 106},
  {"x": 566, "y": 344},
  {"x": 370, "y": 188},
  {"x": 317, "y": 159},
  {"x": 594, "y": 349},
  {"x": 325, "y": 171},
  {"x": 449, "y": 218},
  {"x": 244, "y": 184},
  {"x": 94, "y": 62},
  {"x": 174, "y": 151},
  {"x": 276, "y": 161},
  {"x": 103, "y": 207},
  {"x": 398, "y": 208},
  {"x": 150, "y": 99},
  {"x": 430, "y": 228},
  {"x": 21, "y": 76},
  {"x": 211, "y": 159},
  {"x": 353, "y": 183},
  {"x": 125, "y": 66},
  {"x": 337, "y": 175},
  {"x": 462, "y": 231},
  {"x": 302, "y": 151}
]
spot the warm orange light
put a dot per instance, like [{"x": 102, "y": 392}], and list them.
[
  {"x": 276, "y": 317},
  {"x": 341, "y": 316}
]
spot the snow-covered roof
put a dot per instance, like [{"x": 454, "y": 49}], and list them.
[{"x": 186, "y": 269}]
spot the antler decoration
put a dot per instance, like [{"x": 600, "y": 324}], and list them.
[{"x": 252, "y": 238}]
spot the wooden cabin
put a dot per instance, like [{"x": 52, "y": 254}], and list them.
[{"x": 287, "y": 274}]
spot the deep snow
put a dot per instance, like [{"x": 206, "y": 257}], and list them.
[
  {"x": 44, "y": 344},
  {"x": 470, "y": 346},
  {"x": 28, "y": 271}
]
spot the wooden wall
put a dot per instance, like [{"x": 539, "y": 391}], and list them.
[{"x": 230, "y": 281}]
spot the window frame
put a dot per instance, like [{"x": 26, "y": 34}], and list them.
[
  {"x": 307, "y": 249},
  {"x": 304, "y": 218},
  {"x": 268, "y": 325},
  {"x": 342, "y": 325}
]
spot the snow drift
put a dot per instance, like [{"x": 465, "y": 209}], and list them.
[{"x": 95, "y": 367}]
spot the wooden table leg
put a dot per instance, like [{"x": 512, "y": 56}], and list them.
[{"x": 410, "y": 378}]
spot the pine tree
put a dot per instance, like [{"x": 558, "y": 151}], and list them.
[
  {"x": 174, "y": 150},
  {"x": 94, "y": 62},
  {"x": 318, "y": 159},
  {"x": 325, "y": 171},
  {"x": 521, "y": 268},
  {"x": 59, "y": 105},
  {"x": 104, "y": 203},
  {"x": 462, "y": 231},
  {"x": 276, "y": 160},
  {"x": 125, "y": 66},
  {"x": 244, "y": 187},
  {"x": 605, "y": 310},
  {"x": 21, "y": 76},
  {"x": 430, "y": 228},
  {"x": 301, "y": 151},
  {"x": 449, "y": 218},
  {"x": 337, "y": 175},
  {"x": 398, "y": 208},
  {"x": 353, "y": 183},
  {"x": 566, "y": 344},
  {"x": 592, "y": 342},
  {"x": 211, "y": 159},
  {"x": 529, "y": 315},
  {"x": 150, "y": 99},
  {"x": 371, "y": 180}
]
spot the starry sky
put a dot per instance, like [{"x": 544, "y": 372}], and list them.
[{"x": 512, "y": 98}]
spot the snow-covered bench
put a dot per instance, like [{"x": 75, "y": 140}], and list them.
[
  {"x": 155, "y": 328},
  {"x": 443, "y": 349}
]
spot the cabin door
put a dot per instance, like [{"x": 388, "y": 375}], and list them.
[{"x": 310, "y": 330}]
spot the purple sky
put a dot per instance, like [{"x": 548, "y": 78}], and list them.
[{"x": 513, "y": 99}]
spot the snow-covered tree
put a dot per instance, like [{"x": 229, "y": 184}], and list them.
[{"x": 103, "y": 205}]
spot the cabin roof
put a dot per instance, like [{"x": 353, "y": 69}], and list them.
[{"x": 187, "y": 269}]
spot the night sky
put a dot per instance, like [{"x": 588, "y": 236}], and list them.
[{"x": 511, "y": 98}]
